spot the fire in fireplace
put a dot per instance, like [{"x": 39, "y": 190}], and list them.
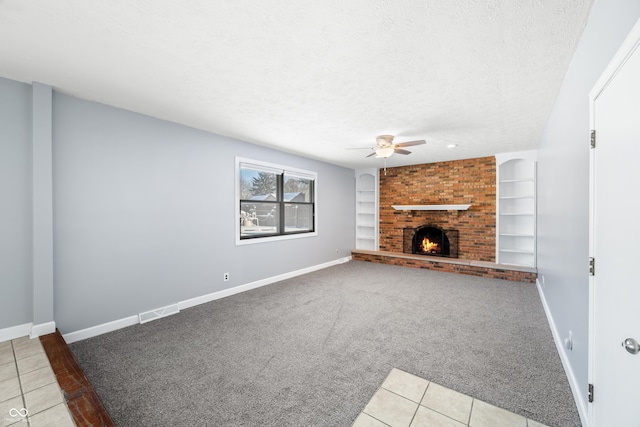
[
  {"x": 431, "y": 240},
  {"x": 429, "y": 247}
]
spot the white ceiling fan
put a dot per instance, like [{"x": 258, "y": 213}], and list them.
[{"x": 385, "y": 146}]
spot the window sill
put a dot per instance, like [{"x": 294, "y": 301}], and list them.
[{"x": 255, "y": 240}]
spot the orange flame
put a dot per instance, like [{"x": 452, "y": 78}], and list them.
[{"x": 428, "y": 245}]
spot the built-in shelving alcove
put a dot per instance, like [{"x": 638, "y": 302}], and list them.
[
  {"x": 367, "y": 209},
  {"x": 516, "y": 208}
]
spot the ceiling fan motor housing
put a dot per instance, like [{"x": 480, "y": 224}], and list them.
[{"x": 384, "y": 140}]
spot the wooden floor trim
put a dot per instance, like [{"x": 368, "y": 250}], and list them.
[{"x": 81, "y": 398}]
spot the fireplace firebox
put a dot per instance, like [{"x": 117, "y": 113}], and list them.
[{"x": 431, "y": 240}]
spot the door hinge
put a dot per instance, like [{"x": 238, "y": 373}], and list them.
[
  {"x": 592, "y": 266},
  {"x": 593, "y": 138},
  {"x": 590, "y": 393}
]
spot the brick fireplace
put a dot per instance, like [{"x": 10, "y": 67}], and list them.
[
  {"x": 459, "y": 182},
  {"x": 469, "y": 181}
]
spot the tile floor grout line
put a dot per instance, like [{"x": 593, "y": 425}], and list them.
[
  {"x": 15, "y": 361},
  {"x": 369, "y": 415},
  {"x": 365, "y": 406},
  {"x": 22, "y": 397},
  {"x": 413, "y": 417},
  {"x": 445, "y": 415},
  {"x": 419, "y": 403},
  {"x": 406, "y": 398},
  {"x": 397, "y": 394},
  {"x": 473, "y": 400},
  {"x": 39, "y": 387}
]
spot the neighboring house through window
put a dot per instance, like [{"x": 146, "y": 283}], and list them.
[{"x": 273, "y": 201}]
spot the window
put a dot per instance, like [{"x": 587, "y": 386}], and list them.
[{"x": 273, "y": 201}]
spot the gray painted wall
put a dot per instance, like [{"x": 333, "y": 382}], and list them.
[
  {"x": 563, "y": 180},
  {"x": 144, "y": 214},
  {"x": 15, "y": 205}
]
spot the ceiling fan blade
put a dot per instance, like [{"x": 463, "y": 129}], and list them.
[
  {"x": 372, "y": 154},
  {"x": 401, "y": 151},
  {"x": 410, "y": 143}
]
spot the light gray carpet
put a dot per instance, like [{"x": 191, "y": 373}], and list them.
[{"x": 312, "y": 350}]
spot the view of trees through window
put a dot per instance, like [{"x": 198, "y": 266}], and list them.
[
  {"x": 274, "y": 203},
  {"x": 256, "y": 185}
]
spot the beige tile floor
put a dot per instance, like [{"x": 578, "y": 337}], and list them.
[
  {"x": 404, "y": 400},
  {"x": 29, "y": 393}
]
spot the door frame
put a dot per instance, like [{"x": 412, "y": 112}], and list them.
[{"x": 630, "y": 44}]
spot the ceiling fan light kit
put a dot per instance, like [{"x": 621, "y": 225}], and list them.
[
  {"x": 385, "y": 148},
  {"x": 384, "y": 152}
]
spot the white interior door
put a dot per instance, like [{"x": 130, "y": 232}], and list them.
[{"x": 615, "y": 240}]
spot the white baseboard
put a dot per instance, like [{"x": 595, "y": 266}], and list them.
[
  {"x": 27, "y": 329},
  {"x": 93, "y": 331},
  {"x": 578, "y": 394},
  {"x": 14, "y": 332},
  {"x": 133, "y": 320},
  {"x": 42, "y": 329},
  {"x": 258, "y": 283}
]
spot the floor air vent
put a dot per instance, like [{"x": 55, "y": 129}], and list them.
[{"x": 148, "y": 316}]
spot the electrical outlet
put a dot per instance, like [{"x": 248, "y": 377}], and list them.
[
  {"x": 568, "y": 342},
  {"x": 226, "y": 277}
]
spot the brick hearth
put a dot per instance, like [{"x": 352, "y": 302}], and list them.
[{"x": 449, "y": 265}]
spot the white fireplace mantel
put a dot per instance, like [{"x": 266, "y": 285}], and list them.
[{"x": 430, "y": 207}]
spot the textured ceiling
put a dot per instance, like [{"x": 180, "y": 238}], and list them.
[{"x": 310, "y": 77}]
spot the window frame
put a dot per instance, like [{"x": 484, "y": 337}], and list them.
[{"x": 281, "y": 170}]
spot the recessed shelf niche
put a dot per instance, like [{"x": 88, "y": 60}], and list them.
[
  {"x": 516, "y": 208},
  {"x": 367, "y": 209}
]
